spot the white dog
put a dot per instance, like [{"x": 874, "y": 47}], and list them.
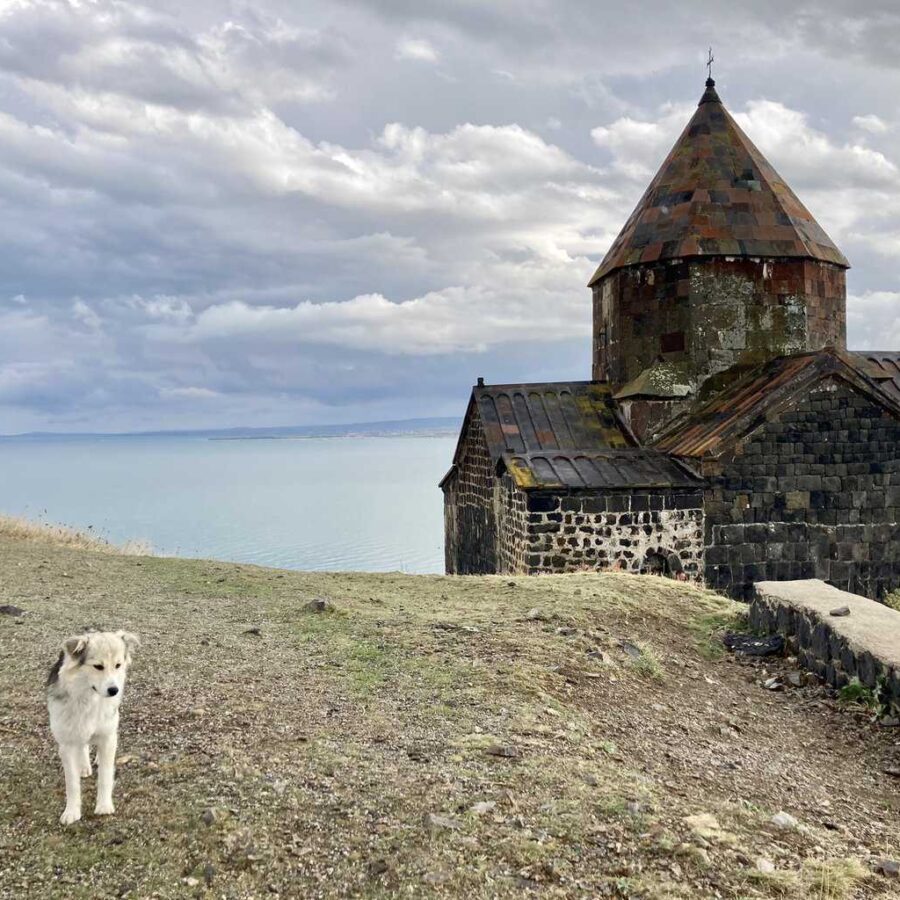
[{"x": 84, "y": 691}]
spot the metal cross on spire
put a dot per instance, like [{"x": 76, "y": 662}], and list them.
[{"x": 709, "y": 62}]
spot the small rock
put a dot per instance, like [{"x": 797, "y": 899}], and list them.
[
  {"x": 784, "y": 820},
  {"x": 773, "y": 684},
  {"x": 840, "y": 611},
  {"x": 598, "y": 655},
  {"x": 9, "y": 610},
  {"x": 437, "y": 877},
  {"x": 535, "y": 615},
  {"x": 209, "y": 872},
  {"x": 631, "y": 650},
  {"x": 124, "y": 760},
  {"x": 591, "y": 779},
  {"x": 506, "y": 751},
  {"x": 378, "y": 867},
  {"x": 765, "y": 865},
  {"x": 566, "y": 631},
  {"x": 208, "y": 817},
  {"x": 634, "y": 807},
  {"x": 889, "y": 722},
  {"x": 434, "y": 823},
  {"x": 482, "y": 807},
  {"x": 190, "y": 881},
  {"x": 893, "y": 771},
  {"x": 890, "y": 868},
  {"x": 255, "y": 630},
  {"x": 318, "y": 605},
  {"x": 796, "y": 679}
]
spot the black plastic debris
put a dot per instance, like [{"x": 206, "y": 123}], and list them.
[{"x": 752, "y": 645}]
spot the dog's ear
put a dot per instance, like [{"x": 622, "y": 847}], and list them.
[
  {"x": 76, "y": 647},
  {"x": 132, "y": 641}
]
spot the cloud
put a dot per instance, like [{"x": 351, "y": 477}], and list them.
[
  {"x": 257, "y": 212},
  {"x": 416, "y": 49},
  {"x": 871, "y": 123}
]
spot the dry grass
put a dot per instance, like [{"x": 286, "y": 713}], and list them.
[
  {"x": 318, "y": 742},
  {"x": 16, "y": 528}
]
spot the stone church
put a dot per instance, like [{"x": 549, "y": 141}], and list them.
[{"x": 727, "y": 435}]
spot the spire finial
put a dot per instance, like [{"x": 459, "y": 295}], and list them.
[{"x": 710, "y": 95}]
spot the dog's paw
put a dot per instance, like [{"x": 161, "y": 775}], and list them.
[
  {"x": 69, "y": 816},
  {"x": 86, "y": 772},
  {"x": 104, "y": 809}
]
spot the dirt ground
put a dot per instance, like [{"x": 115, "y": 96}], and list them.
[{"x": 557, "y": 736}]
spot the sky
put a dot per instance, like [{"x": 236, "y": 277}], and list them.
[{"x": 276, "y": 213}]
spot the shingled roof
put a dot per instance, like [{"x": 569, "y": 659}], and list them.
[
  {"x": 714, "y": 427},
  {"x": 883, "y": 367},
  {"x": 717, "y": 195},
  {"x": 568, "y": 434}
]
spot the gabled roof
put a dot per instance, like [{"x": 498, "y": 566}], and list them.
[
  {"x": 717, "y": 195},
  {"x": 562, "y": 435},
  {"x": 714, "y": 427},
  {"x": 605, "y": 469},
  {"x": 562, "y": 415}
]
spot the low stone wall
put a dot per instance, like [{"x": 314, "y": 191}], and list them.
[{"x": 865, "y": 643}]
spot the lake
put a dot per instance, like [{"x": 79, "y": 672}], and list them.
[{"x": 344, "y": 503}]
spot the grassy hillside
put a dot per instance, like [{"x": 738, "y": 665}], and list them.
[{"x": 561, "y": 736}]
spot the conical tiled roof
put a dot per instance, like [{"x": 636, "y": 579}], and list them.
[{"x": 716, "y": 195}]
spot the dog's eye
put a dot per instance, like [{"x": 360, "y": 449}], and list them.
[
  {"x": 118, "y": 665},
  {"x": 98, "y": 667}
]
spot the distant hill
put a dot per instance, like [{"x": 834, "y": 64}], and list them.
[{"x": 447, "y": 425}]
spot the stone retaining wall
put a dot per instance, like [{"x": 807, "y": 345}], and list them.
[{"x": 864, "y": 644}]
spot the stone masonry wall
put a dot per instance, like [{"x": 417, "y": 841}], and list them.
[
  {"x": 716, "y": 312},
  {"x": 813, "y": 494},
  {"x": 470, "y": 525},
  {"x": 640, "y": 531}
]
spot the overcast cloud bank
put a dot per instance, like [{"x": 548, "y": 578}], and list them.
[{"x": 247, "y": 214}]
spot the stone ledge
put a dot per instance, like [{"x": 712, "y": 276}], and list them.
[{"x": 864, "y": 644}]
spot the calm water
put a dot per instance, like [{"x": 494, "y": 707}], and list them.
[{"x": 365, "y": 504}]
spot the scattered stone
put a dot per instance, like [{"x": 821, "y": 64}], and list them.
[
  {"x": 483, "y": 807},
  {"x": 889, "y": 722},
  {"x": 566, "y": 631},
  {"x": 840, "y": 611},
  {"x": 751, "y": 645},
  {"x": 773, "y": 684},
  {"x": 437, "y": 877},
  {"x": 535, "y": 615},
  {"x": 208, "y": 817},
  {"x": 784, "y": 820},
  {"x": 634, "y": 807},
  {"x": 434, "y": 823},
  {"x": 378, "y": 867},
  {"x": 9, "y": 610},
  {"x": 255, "y": 631},
  {"x": 765, "y": 865},
  {"x": 506, "y": 751},
  {"x": 890, "y": 868},
  {"x": 796, "y": 679},
  {"x": 598, "y": 655},
  {"x": 318, "y": 605},
  {"x": 631, "y": 650},
  {"x": 124, "y": 760},
  {"x": 190, "y": 881},
  {"x": 893, "y": 771},
  {"x": 591, "y": 779}
]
